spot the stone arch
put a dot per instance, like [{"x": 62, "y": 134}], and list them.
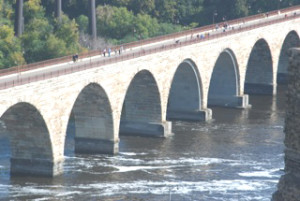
[
  {"x": 141, "y": 110},
  {"x": 259, "y": 74},
  {"x": 186, "y": 93},
  {"x": 224, "y": 82},
  {"x": 94, "y": 126},
  {"x": 30, "y": 142},
  {"x": 291, "y": 40}
]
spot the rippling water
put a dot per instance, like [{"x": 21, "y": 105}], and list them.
[{"x": 237, "y": 156}]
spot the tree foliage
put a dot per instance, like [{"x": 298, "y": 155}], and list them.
[
  {"x": 6, "y": 13},
  {"x": 45, "y": 40},
  {"x": 118, "y": 21},
  {"x": 114, "y": 22},
  {"x": 83, "y": 23},
  {"x": 10, "y": 49}
]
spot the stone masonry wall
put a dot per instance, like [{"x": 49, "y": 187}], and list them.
[
  {"x": 54, "y": 98},
  {"x": 289, "y": 185}
]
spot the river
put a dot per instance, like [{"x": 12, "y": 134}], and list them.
[{"x": 238, "y": 156}]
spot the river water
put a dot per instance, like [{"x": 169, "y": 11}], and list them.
[{"x": 236, "y": 156}]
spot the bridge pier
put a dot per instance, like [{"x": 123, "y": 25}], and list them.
[
  {"x": 230, "y": 101},
  {"x": 33, "y": 152},
  {"x": 260, "y": 89},
  {"x": 163, "y": 129},
  {"x": 185, "y": 115},
  {"x": 94, "y": 126},
  {"x": 95, "y": 146},
  {"x": 94, "y": 134},
  {"x": 36, "y": 167},
  {"x": 282, "y": 78}
]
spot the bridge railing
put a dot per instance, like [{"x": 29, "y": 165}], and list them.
[
  {"x": 123, "y": 57},
  {"x": 207, "y": 28},
  {"x": 131, "y": 45}
]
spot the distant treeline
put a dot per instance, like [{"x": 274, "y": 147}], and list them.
[{"x": 118, "y": 21}]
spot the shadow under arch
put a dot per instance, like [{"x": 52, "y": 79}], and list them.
[
  {"x": 259, "y": 74},
  {"x": 30, "y": 142},
  {"x": 224, "y": 83},
  {"x": 91, "y": 122},
  {"x": 291, "y": 40},
  {"x": 185, "y": 96},
  {"x": 141, "y": 111}
]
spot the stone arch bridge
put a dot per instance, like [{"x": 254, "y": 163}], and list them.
[{"x": 141, "y": 90}]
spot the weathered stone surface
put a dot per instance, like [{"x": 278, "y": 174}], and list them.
[
  {"x": 95, "y": 146},
  {"x": 35, "y": 167},
  {"x": 292, "y": 40},
  {"x": 289, "y": 184},
  {"x": 202, "y": 115},
  {"x": 98, "y": 94},
  {"x": 136, "y": 128}
]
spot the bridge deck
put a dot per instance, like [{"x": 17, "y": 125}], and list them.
[{"x": 52, "y": 68}]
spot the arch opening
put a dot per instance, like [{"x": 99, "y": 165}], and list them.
[
  {"x": 259, "y": 74},
  {"x": 141, "y": 111},
  {"x": 184, "y": 102},
  {"x": 91, "y": 123},
  {"x": 5, "y": 152},
  {"x": 291, "y": 40},
  {"x": 224, "y": 83},
  {"x": 30, "y": 143}
]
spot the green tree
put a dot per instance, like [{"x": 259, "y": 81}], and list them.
[
  {"x": 33, "y": 10},
  {"x": 142, "y": 6},
  {"x": 74, "y": 8},
  {"x": 6, "y": 13},
  {"x": 117, "y": 21},
  {"x": 117, "y": 3},
  {"x": 83, "y": 23},
  {"x": 188, "y": 11},
  {"x": 145, "y": 26},
  {"x": 54, "y": 47},
  {"x": 43, "y": 40},
  {"x": 165, "y": 11},
  {"x": 167, "y": 28},
  {"x": 10, "y": 48},
  {"x": 67, "y": 31},
  {"x": 114, "y": 22},
  {"x": 240, "y": 9},
  {"x": 34, "y": 39},
  {"x": 225, "y": 9}
]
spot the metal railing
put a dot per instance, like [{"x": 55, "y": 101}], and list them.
[
  {"x": 126, "y": 56},
  {"x": 142, "y": 42}
]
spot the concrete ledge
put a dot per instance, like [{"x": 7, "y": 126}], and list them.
[
  {"x": 144, "y": 129},
  {"x": 240, "y": 102},
  {"x": 260, "y": 89},
  {"x": 95, "y": 146},
  {"x": 200, "y": 115},
  {"x": 282, "y": 78},
  {"x": 35, "y": 167}
]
